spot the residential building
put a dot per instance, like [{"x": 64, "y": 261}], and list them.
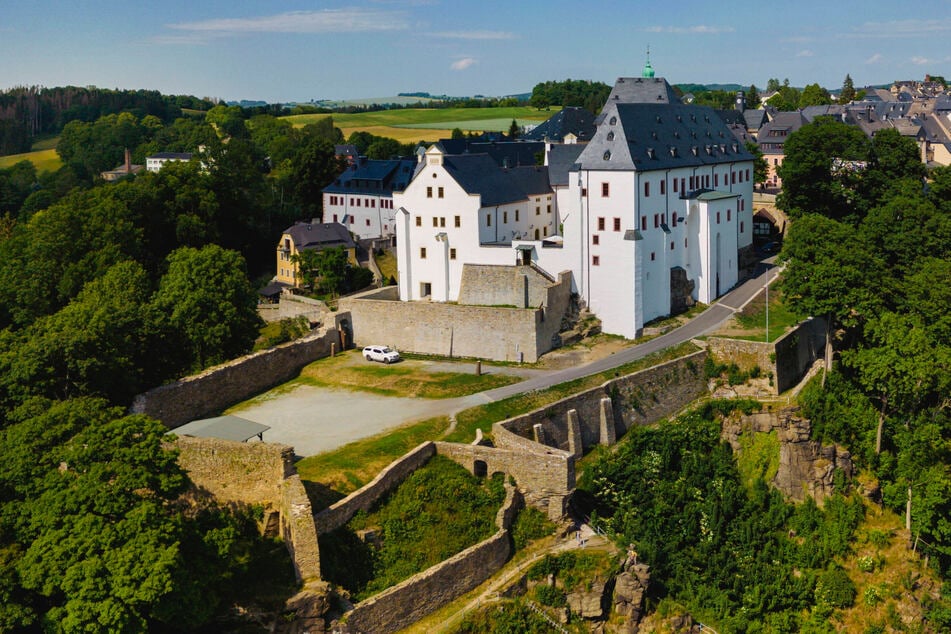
[
  {"x": 303, "y": 236},
  {"x": 361, "y": 198},
  {"x": 772, "y": 138},
  {"x": 125, "y": 170},
  {"x": 156, "y": 162}
]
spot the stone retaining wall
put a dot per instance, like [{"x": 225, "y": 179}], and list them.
[
  {"x": 602, "y": 414},
  {"x": 290, "y": 306},
  {"x": 788, "y": 358},
  {"x": 217, "y": 388},
  {"x": 424, "y": 593},
  {"x": 458, "y": 330},
  {"x": 245, "y": 474},
  {"x": 365, "y": 497}
]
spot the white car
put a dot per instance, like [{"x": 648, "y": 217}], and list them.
[{"x": 383, "y": 354}]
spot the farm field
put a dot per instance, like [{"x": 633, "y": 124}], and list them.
[
  {"x": 43, "y": 156},
  {"x": 427, "y": 124}
]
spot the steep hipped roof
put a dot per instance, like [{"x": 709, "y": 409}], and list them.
[
  {"x": 642, "y": 90},
  {"x": 479, "y": 174},
  {"x": 576, "y": 121},
  {"x": 319, "y": 235},
  {"x": 561, "y": 160},
  {"x": 642, "y": 136}
]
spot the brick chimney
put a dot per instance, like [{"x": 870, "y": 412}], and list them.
[{"x": 128, "y": 161}]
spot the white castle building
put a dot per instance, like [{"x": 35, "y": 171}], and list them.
[{"x": 656, "y": 207}]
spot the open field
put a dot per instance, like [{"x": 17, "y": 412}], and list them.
[
  {"x": 44, "y": 160},
  {"x": 427, "y": 124}
]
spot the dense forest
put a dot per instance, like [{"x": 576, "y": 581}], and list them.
[{"x": 587, "y": 94}]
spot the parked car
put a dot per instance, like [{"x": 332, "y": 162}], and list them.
[
  {"x": 383, "y": 354},
  {"x": 770, "y": 247}
]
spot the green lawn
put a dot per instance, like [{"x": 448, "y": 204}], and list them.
[
  {"x": 44, "y": 160},
  {"x": 753, "y": 318},
  {"x": 495, "y": 125}
]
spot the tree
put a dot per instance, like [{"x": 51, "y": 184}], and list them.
[
  {"x": 760, "y": 166},
  {"x": 772, "y": 85},
  {"x": 820, "y": 169},
  {"x": 830, "y": 272},
  {"x": 514, "y": 130},
  {"x": 847, "y": 95},
  {"x": 207, "y": 305},
  {"x": 814, "y": 95},
  {"x": 753, "y": 100},
  {"x": 457, "y": 133},
  {"x": 315, "y": 166}
]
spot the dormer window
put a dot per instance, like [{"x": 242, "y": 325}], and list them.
[
  {"x": 613, "y": 121},
  {"x": 611, "y": 136},
  {"x": 607, "y": 155}
]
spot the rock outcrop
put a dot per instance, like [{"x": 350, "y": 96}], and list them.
[{"x": 806, "y": 467}]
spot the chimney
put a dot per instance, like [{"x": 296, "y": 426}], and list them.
[{"x": 128, "y": 161}]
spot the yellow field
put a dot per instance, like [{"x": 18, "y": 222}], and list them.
[
  {"x": 403, "y": 135},
  {"x": 44, "y": 160}
]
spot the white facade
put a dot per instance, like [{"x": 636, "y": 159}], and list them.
[
  {"x": 365, "y": 215},
  {"x": 156, "y": 162},
  {"x": 659, "y": 186}
]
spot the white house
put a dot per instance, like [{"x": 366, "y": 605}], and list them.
[
  {"x": 656, "y": 207},
  {"x": 156, "y": 162},
  {"x": 361, "y": 198}
]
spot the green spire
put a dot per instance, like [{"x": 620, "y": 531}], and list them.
[{"x": 648, "y": 69}]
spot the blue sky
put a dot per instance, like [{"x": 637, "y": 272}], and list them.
[{"x": 298, "y": 51}]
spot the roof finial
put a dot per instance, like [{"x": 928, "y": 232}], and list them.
[{"x": 648, "y": 69}]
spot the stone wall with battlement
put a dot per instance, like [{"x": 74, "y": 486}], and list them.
[
  {"x": 458, "y": 330},
  {"x": 366, "y": 496},
  {"x": 246, "y": 474},
  {"x": 404, "y": 604},
  {"x": 601, "y": 414},
  {"x": 211, "y": 391}
]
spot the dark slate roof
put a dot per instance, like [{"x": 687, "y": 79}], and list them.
[
  {"x": 731, "y": 117},
  {"x": 754, "y": 118},
  {"x": 346, "y": 149},
  {"x": 561, "y": 160},
  {"x": 479, "y": 174},
  {"x": 833, "y": 110},
  {"x": 181, "y": 156},
  {"x": 576, "y": 121},
  {"x": 642, "y": 90},
  {"x": 773, "y": 134},
  {"x": 647, "y": 136},
  {"x": 320, "y": 235},
  {"x": 377, "y": 177},
  {"x": 504, "y": 153}
]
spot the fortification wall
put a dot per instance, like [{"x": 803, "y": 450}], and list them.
[
  {"x": 545, "y": 476},
  {"x": 217, "y": 388},
  {"x": 244, "y": 474},
  {"x": 290, "y": 306},
  {"x": 603, "y": 413},
  {"x": 365, "y": 497},
  {"x": 497, "y": 285},
  {"x": 404, "y": 604},
  {"x": 788, "y": 358}
]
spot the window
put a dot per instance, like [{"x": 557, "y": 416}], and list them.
[
  {"x": 675, "y": 185},
  {"x": 647, "y": 190},
  {"x": 538, "y": 211},
  {"x": 505, "y": 217},
  {"x": 458, "y": 221},
  {"x": 600, "y": 224},
  {"x": 549, "y": 208},
  {"x": 617, "y": 224},
  {"x": 488, "y": 220},
  {"x": 358, "y": 202},
  {"x": 419, "y": 221},
  {"x": 584, "y": 192},
  {"x": 729, "y": 212},
  {"x": 442, "y": 221},
  {"x": 691, "y": 183},
  {"x": 643, "y": 223},
  {"x": 663, "y": 187},
  {"x": 422, "y": 253},
  {"x": 441, "y": 192},
  {"x": 716, "y": 180},
  {"x": 605, "y": 190},
  {"x": 595, "y": 239},
  {"x": 685, "y": 243},
  {"x": 653, "y": 256},
  {"x": 435, "y": 221},
  {"x": 351, "y": 219},
  {"x": 718, "y": 217},
  {"x": 516, "y": 215},
  {"x": 747, "y": 175},
  {"x": 368, "y": 222},
  {"x": 595, "y": 260},
  {"x": 429, "y": 192},
  {"x": 732, "y": 178},
  {"x": 335, "y": 217},
  {"x": 682, "y": 190},
  {"x": 741, "y": 226},
  {"x": 671, "y": 246},
  {"x": 673, "y": 219},
  {"x": 656, "y": 221},
  {"x": 545, "y": 231},
  {"x": 452, "y": 253}
]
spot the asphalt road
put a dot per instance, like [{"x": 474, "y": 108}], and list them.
[{"x": 707, "y": 321}]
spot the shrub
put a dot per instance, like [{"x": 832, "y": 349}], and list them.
[
  {"x": 550, "y": 596},
  {"x": 834, "y": 588},
  {"x": 530, "y": 524}
]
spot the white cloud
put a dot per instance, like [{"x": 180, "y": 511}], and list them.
[
  {"x": 475, "y": 35},
  {"x": 700, "y": 28},
  {"x": 921, "y": 61},
  {"x": 324, "y": 21},
  {"x": 874, "y": 59},
  {"x": 463, "y": 64},
  {"x": 805, "y": 53}
]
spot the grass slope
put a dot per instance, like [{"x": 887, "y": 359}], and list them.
[{"x": 44, "y": 160}]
